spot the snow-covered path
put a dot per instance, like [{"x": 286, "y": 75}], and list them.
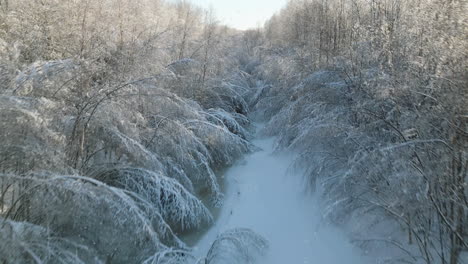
[{"x": 260, "y": 196}]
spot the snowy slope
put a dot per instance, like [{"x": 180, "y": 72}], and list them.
[{"x": 263, "y": 197}]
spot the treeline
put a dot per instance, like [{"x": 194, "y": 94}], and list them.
[
  {"x": 115, "y": 116},
  {"x": 373, "y": 95}
]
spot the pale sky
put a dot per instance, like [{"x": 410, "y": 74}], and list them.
[{"x": 243, "y": 14}]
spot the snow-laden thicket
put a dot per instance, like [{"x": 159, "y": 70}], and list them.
[
  {"x": 108, "y": 170},
  {"x": 115, "y": 117},
  {"x": 373, "y": 98}
]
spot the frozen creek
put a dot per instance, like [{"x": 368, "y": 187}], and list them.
[{"x": 263, "y": 196}]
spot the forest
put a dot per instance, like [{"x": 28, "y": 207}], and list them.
[{"x": 120, "y": 118}]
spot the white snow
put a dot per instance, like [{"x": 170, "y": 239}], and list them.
[{"x": 263, "y": 196}]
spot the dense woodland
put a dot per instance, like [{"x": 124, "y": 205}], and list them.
[
  {"x": 117, "y": 118},
  {"x": 373, "y": 96}
]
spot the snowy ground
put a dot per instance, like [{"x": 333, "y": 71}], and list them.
[{"x": 261, "y": 196}]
